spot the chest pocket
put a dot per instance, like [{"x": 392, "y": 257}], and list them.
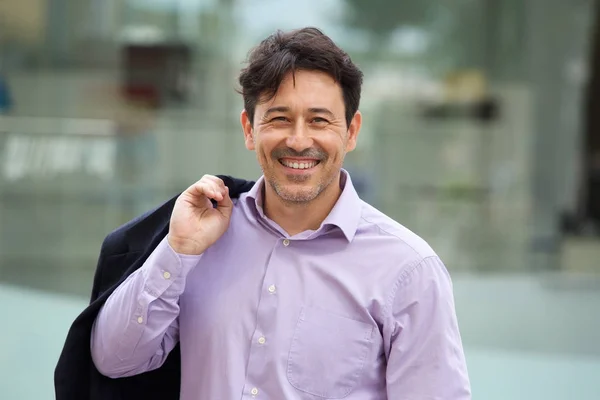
[{"x": 327, "y": 353}]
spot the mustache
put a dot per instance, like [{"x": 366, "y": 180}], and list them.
[{"x": 308, "y": 153}]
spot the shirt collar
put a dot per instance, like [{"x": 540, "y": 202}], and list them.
[{"x": 345, "y": 214}]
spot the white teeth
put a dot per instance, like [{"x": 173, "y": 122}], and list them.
[{"x": 301, "y": 165}]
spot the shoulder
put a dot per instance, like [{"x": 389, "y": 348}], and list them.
[
  {"x": 399, "y": 240},
  {"x": 406, "y": 253},
  {"x": 408, "y": 263}
]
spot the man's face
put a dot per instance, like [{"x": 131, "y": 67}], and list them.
[{"x": 301, "y": 137}]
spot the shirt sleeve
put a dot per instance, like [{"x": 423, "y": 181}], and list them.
[
  {"x": 425, "y": 355},
  {"x": 138, "y": 325}
]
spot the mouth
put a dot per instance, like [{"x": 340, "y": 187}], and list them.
[{"x": 299, "y": 165}]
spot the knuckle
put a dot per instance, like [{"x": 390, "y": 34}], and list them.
[{"x": 199, "y": 187}]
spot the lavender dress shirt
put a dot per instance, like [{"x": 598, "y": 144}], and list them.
[{"x": 360, "y": 309}]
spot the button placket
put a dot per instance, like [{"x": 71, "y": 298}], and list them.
[{"x": 259, "y": 348}]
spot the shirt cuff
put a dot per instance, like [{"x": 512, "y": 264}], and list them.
[
  {"x": 167, "y": 269},
  {"x": 188, "y": 261}
]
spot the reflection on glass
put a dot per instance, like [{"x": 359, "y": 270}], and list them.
[{"x": 470, "y": 139}]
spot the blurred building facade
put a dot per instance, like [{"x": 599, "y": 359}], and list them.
[
  {"x": 474, "y": 135},
  {"x": 106, "y": 107}
]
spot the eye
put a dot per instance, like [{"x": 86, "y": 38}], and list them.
[
  {"x": 279, "y": 119},
  {"x": 319, "y": 120}
]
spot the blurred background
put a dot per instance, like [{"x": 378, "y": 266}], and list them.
[{"x": 482, "y": 134}]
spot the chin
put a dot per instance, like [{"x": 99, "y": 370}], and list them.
[{"x": 296, "y": 193}]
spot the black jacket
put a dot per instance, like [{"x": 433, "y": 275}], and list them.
[{"x": 123, "y": 251}]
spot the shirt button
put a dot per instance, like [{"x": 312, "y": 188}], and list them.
[
  {"x": 262, "y": 340},
  {"x": 286, "y": 242},
  {"x": 167, "y": 275},
  {"x": 254, "y": 391},
  {"x": 272, "y": 289},
  {"x": 140, "y": 320}
]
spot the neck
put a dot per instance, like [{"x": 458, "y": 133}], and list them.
[{"x": 295, "y": 218}]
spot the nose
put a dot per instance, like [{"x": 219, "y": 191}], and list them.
[{"x": 299, "y": 139}]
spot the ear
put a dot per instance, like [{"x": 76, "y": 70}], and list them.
[
  {"x": 353, "y": 131},
  {"x": 247, "y": 129}
]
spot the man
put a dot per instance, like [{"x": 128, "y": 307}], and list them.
[{"x": 298, "y": 290}]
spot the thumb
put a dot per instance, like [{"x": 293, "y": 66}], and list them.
[{"x": 225, "y": 206}]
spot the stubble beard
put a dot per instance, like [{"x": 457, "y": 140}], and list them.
[{"x": 300, "y": 196}]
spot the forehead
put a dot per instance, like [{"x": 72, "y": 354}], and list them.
[{"x": 307, "y": 89}]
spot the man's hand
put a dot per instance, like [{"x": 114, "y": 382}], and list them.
[{"x": 195, "y": 224}]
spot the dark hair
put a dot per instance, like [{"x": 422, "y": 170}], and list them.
[{"x": 302, "y": 49}]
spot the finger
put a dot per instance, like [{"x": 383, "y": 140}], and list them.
[
  {"x": 218, "y": 182},
  {"x": 205, "y": 189},
  {"x": 214, "y": 179},
  {"x": 225, "y": 206},
  {"x": 212, "y": 190},
  {"x": 215, "y": 191}
]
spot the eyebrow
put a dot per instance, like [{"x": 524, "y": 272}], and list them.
[
  {"x": 276, "y": 109},
  {"x": 312, "y": 110},
  {"x": 321, "y": 111}
]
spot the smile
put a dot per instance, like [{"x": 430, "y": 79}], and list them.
[{"x": 294, "y": 164}]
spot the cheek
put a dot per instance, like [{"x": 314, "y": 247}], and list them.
[
  {"x": 335, "y": 148},
  {"x": 265, "y": 145},
  {"x": 263, "y": 152}
]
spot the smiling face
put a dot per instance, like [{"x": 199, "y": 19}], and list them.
[{"x": 301, "y": 136}]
